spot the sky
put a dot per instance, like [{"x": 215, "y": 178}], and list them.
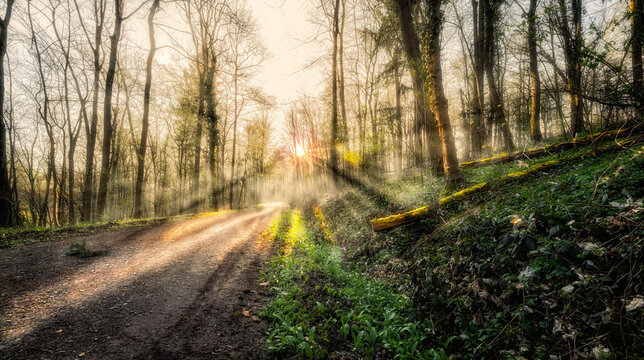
[
  {"x": 284, "y": 27},
  {"x": 286, "y": 30}
]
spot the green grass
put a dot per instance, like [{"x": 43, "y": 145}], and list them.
[
  {"x": 32, "y": 234},
  {"x": 322, "y": 307},
  {"x": 81, "y": 250}
]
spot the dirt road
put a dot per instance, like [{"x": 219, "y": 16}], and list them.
[{"x": 187, "y": 289}]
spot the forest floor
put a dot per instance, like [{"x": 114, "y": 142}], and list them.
[
  {"x": 181, "y": 289},
  {"x": 550, "y": 266}
]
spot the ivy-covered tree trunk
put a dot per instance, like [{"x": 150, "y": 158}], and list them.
[
  {"x": 424, "y": 117},
  {"x": 436, "y": 93}
]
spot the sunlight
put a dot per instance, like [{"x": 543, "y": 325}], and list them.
[{"x": 299, "y": 150}]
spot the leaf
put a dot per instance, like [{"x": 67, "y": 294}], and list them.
[
  {"x": 635, "y": 303},
  {"x": 245, "y": 313}
]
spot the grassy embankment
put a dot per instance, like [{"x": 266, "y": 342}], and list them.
[{"x": 546, "y": 267}]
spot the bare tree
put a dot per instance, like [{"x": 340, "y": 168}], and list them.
[
  {"x": 333, "y": 158},
  {"x": 569, "y": 26},
  {"x": 99, "y": 8},
  {"x": 138, "y": 192},
  {"x": 497, "y": 106},
  {"x": 107, "y": 108},
  {"x": 6, "y": 209},
  {"x": 535, "y": 101}
]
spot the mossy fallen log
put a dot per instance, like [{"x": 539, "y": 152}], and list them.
[
  {"x": 548, "y": 149},
  {"x": 392, "y": 221}
]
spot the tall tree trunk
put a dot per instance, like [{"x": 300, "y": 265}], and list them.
[
  {"x": 6, "y": 209},
  {"x": 425, "y": 120},
  {"x": 535, "y": 100},
  {"x": 398, "y": 117},
  {"x": 436, "y": 93},
  {"x": 497, "y": 109},
  {"x": 637, "y": 39},
  {"x": 234, "y": 149},
  {"x": 344, "y": 136},
  {"x": 107, "y": 108},
  {"x": 333, "y": 158},
  {"x": 478, "y": 137},
  {"x": 140, "y": 170},
  {"x": 90, "y": 128},
  {"x": 572, "y": 52},
  {"x": 198, "y": 134},
  {"x": 213, "y": 133}
]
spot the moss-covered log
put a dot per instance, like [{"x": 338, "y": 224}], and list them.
[
  {"x": 548, "y": 149},
  {"x": 392, "y": 221}
]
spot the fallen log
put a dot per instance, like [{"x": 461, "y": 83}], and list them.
[
  {"x": 548, "y": 149},
  {"x": 393, "y": 221}
]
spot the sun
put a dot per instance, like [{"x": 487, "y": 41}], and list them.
[{"x": 299, "y": 150}]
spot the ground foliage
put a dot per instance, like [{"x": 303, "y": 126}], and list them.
[
  {"x": 324, "y": 310},
  {"x": 548, "y": 267}
]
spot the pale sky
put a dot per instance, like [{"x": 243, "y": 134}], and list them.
[{"x": 284, "y": 27}]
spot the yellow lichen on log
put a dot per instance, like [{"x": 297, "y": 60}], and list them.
[
  {"x": 392, "y": 221},
  {"x": 534, "y": 152},
  {"x": 462, "y": 194}
]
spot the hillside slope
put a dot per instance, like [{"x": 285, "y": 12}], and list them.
[{"x": 546, "y": 267}]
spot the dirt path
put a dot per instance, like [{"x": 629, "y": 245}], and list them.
[{"x": 178, "y": 290}]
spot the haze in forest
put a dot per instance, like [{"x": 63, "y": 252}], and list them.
[{"x": 114, "y": 109}]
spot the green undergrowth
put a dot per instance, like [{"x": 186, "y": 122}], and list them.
[
  {"x": 549, "y": 267},
  {"x": 32, "y": 234},
  {"x": 322, "y": 309},
  {"x": 80, "y": 250}
]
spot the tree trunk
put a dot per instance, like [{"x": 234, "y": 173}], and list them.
[
  {"x": 436, "y": 92},
  {"x": 344, "y": 136},
  {"x": 478, "y": 137},
  {"x": 90, "y": 129},
  {"x": 234, "y": 149},
  {"x": 424, "y": 119},
  {"x": 535, "y": 100},
  {"x": 496, "y": 101},
  {"x": 333, "y": 158},
  {"x": 637, "y": 39},
  {"x": 140, "y": 170},
  {"x": 6, "y": 209},
  {"x": 107, "y": 108},
  {"x": 213, "y": 133},
  {"x": 572, "y": 52},
  {"x": 198, "y": 135},
  {"x": 398, "y": 117}
]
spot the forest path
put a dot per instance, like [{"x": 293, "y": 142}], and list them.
[{"x": 179, "y": 290}]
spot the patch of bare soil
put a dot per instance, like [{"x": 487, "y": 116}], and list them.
[{"x": 182, "y": 290}]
